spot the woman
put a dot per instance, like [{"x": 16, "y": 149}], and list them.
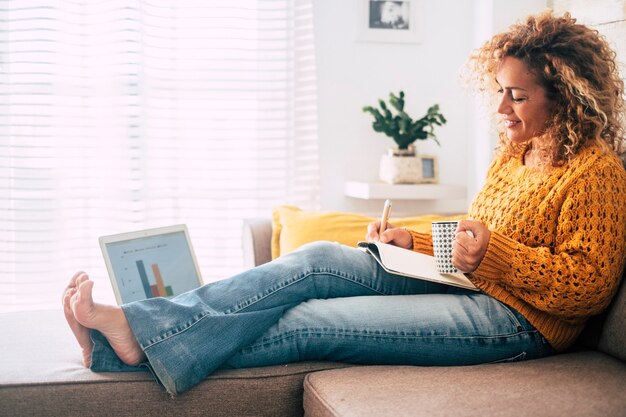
[{"x": 548, "y": 248}]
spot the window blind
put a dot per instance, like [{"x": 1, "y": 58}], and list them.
[{"x": 120, "y": 115}]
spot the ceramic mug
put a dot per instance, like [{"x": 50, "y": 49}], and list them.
[{"x": 443, "y": 236}]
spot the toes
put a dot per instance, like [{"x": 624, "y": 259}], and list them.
[
  {"x": 81, "y": 303},
  {"x": 67, "y": 296},
  {"x": 73, "y": 284},
  {"x": 76, "y": 276},
  {"x": 85, "y": 287},
  {"x": 81, "y": 278}
]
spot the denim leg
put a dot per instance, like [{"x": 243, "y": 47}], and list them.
[
  {"x": 461, "y": 328},
  {"x": 188, "y": 337}
]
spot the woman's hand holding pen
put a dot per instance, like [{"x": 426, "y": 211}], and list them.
[
  {"x": 388, "y": 233},
  {"x": 397, "y": 236}
]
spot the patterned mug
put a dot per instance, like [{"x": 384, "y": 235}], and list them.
[{"x": 443, "y": 236}]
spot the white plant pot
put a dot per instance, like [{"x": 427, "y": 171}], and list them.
[
  {"x": 407, "y": 169},
  {"x": 400, "y": 169}
]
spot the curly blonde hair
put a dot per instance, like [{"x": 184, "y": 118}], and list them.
[{"x": 579, "y": 72}]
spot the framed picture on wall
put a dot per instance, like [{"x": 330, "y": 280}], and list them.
[{"x": 389, "y": 21}]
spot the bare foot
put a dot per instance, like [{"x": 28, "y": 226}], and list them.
[
  {"x": 83, "y": 314},
  {"x": 80, "y": 332}
]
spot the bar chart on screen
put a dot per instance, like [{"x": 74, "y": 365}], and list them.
[{"x": 153, "y": 290}]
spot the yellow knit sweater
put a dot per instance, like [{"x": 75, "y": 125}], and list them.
[{"x": 558, "y": 240}]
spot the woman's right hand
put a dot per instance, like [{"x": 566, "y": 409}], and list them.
[{"x": 397, "y": 236}]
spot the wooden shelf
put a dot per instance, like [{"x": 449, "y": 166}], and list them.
[{"x": 381, "y": 191}]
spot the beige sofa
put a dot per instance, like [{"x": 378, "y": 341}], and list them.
[{"x": 41, "y": 375}]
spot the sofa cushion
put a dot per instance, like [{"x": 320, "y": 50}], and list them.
[
  {"x": 293, "y": 227},
  {"x": 41, "y": 374},
  {"x": 257, "y": 240},
  {"x": 613, "y": 337},
  {"x": 574, "y": 384}
]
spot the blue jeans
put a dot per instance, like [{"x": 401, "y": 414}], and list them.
[{"x": 322, "y": 302}]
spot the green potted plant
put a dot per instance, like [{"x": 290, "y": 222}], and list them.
[{"x": 402, "y": 164}]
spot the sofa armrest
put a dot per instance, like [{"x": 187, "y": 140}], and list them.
[{"x": 257, "y": 239}]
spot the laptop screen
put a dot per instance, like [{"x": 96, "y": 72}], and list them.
[{"x": 160, "y": 265}]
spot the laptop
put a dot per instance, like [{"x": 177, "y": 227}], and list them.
[{"x": 150, "y": 263}]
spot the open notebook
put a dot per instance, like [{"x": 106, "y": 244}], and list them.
[{"x": 412, "y": 264}]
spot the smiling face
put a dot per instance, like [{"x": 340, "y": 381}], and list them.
[{"x": 523, "y": 104}]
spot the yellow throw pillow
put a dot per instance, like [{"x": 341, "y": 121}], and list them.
[{"x": 293, "y": 227}]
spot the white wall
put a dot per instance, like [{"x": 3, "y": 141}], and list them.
[
  {"x": 490, "y": 17},
  {"x": 352, "y": 74}
]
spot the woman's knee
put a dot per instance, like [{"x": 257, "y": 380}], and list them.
[
  {"x": 332, "y": 257},
  {"x": 323, "y": 253},
  {"x": 320, "y": 248}
]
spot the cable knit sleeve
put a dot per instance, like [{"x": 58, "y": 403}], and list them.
[
  {"x": 422, "y": 242},
  {"x": 578, "y": 273}
]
